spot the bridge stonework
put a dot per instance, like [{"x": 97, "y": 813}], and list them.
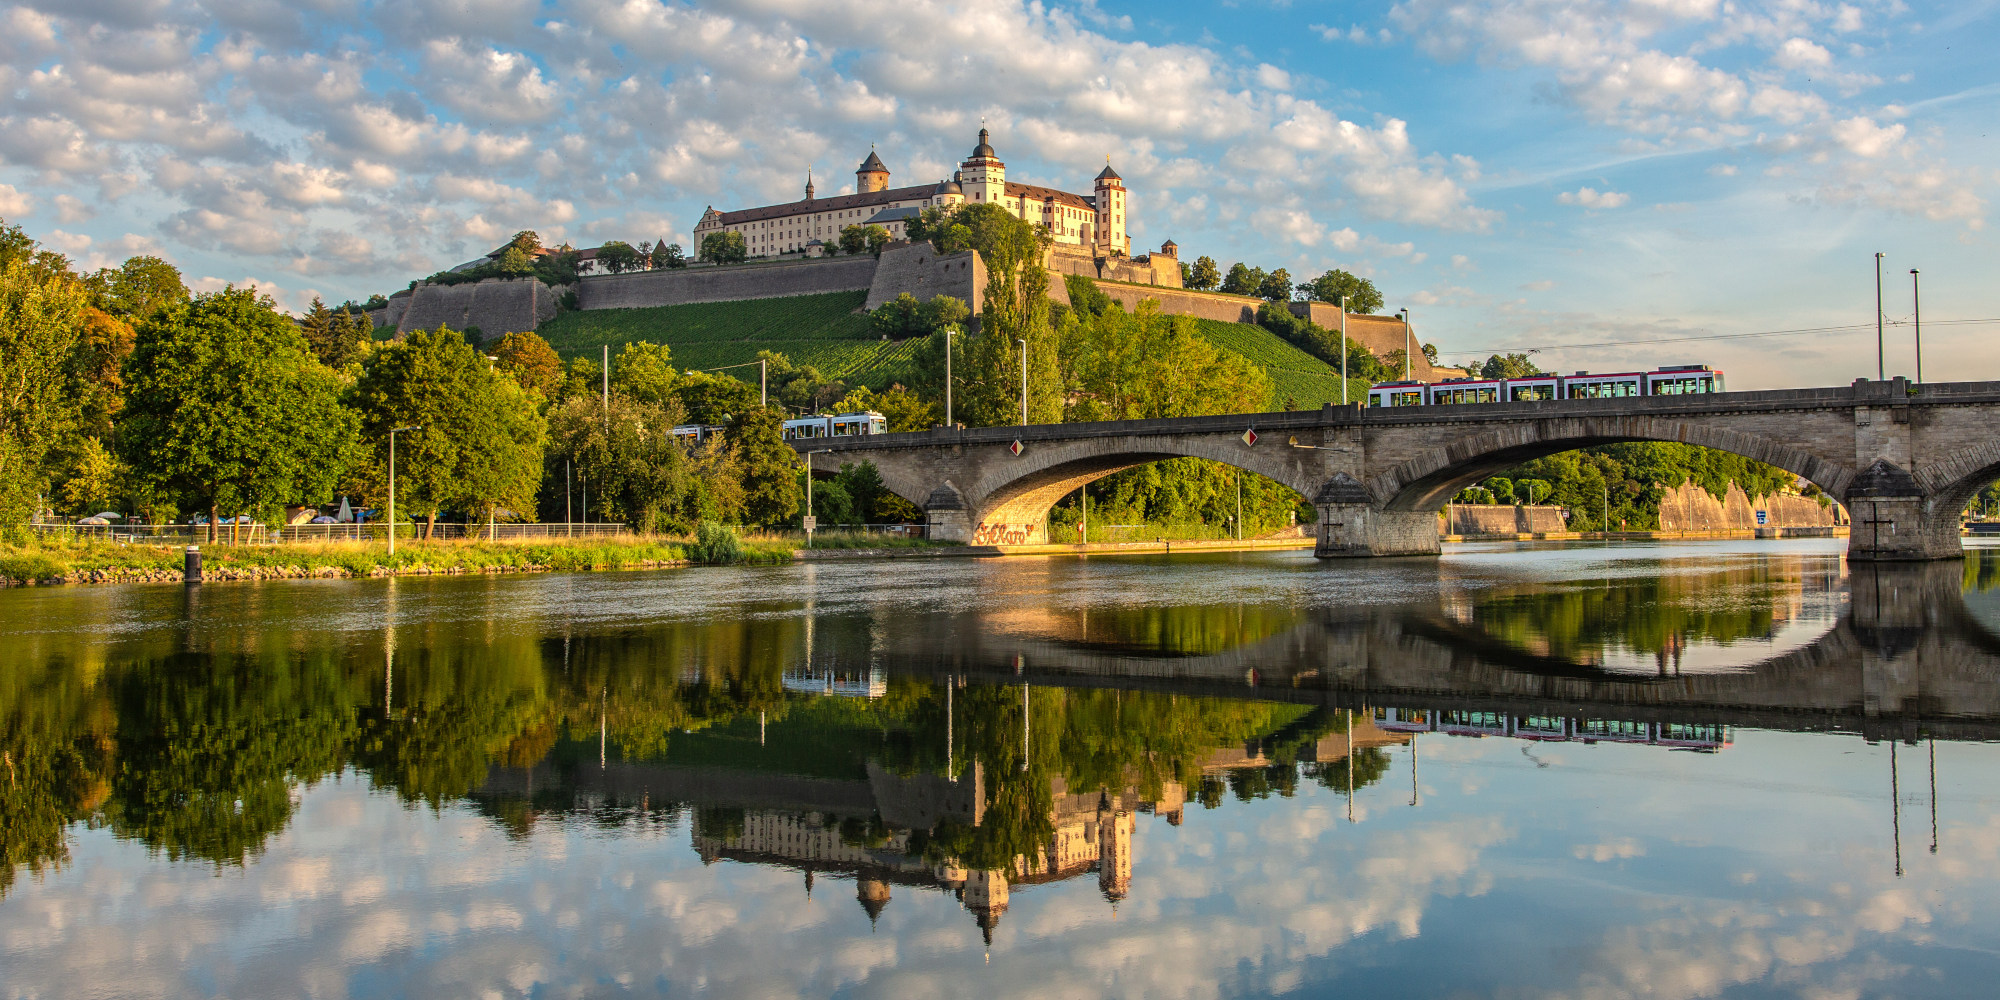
[{"x": 1903, "y": 458}]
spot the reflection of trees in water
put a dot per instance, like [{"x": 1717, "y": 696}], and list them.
[
  {"x": 1198, "y": 630},
  {"x": 1657, "y": 615},
  {"x": 1982, "y": 569},
  {"x": 196, "y": 752}
]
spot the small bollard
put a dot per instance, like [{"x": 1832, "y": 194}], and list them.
[{"x": 191, "y": 565}]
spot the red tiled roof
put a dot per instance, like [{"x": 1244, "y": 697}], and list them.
[
  {"x": 836, "y": 203},
  {"x": 1034, "y": 193}
]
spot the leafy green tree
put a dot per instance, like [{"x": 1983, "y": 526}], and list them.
[
  {"x": 715, "y": 397},
  {"x": 1148, "y": 365},
  {"x": 636, "y": 469},
  {"x": 644, "y": 371},
  {"x": 1243, "y": 279},
  {"x": 618, "y": 257},
  {"x": 229, "y": 409},
  {"x": 479, "y": 442},
  {"x": 1204, "y": 276},
  {"x": 904, "y": 317},
  {"x": 94, "y": 479},
  {"x": 770, "y": 468},
  {"x": 336, "y": 338},
  {"x": 515, "y": 262},
  {"x": 1360, "y": 293},
  {"x": 526, "y": 241},
  {"x": 800, "y": 387},
  {"x": 1276, "y": 286},
  {"x": 668, "y": 255},
  {"x": 531, "y": 361},
  {"x": 726, "y": 247},
  {"x": 903, "y": 409},
  {"x": 41, "y": 324},
  {"x": 858, "y": 239},
  {"x": 140, "y": 287},
  {"x": 716, "y": 488}
]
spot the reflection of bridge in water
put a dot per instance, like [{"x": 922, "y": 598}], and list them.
[{"x": 1907, "y": 657}]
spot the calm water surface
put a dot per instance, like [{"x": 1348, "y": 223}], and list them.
[{"x": 1698, "y": 770}]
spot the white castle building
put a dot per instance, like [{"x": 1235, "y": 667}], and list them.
[{"x": 1093, "y": 224}]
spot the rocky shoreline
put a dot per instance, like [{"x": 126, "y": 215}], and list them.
[{"x": 241, "y": 574}]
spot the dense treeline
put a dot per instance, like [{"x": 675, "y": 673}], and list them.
[{"x": 123, "y": 392}]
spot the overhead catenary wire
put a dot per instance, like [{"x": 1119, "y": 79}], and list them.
[{"x": 1701, "y": 338}]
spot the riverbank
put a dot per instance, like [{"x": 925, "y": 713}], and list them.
[
  {"x": 1834, "y": 531},
  {"x": 51, "y": 562}
]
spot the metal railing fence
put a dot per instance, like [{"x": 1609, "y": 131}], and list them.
[{"x": 258, "y": 534}]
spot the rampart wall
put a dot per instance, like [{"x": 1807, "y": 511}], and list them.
[
  {"x": 1183, "y": 302},
  {"x": 1153, "y": 269},
  {"x": 922, "y": 272},
  {"x": 727, "y": 283},
  {"x": 496, "y": 306}
]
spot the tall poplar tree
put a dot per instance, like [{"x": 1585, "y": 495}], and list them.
[{"x": 229, "y": 410}]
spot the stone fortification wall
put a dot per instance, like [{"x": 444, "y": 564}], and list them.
[
  {"x": 496, "y": 306},
  {"x": 1154, "y": 269},
  {"x": 1690, "y": 508},
  {"x": 726, "y": 283},
  {"x": 1501, "y": 519},
  {"x": 391, "y": 314},
  {"x": 920, "y": 270},
  {"x": 1183, "y": 302}
]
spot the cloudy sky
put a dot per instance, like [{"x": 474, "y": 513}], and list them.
[{"x": 1529, "y": 173}]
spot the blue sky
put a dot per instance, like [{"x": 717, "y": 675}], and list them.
[{"x": 1517, "y": 174}]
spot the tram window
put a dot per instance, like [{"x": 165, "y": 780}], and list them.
[{"x": 1531, "y": 393}]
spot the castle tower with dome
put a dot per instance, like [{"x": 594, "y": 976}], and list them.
[{"x": 1081, "y": 225}]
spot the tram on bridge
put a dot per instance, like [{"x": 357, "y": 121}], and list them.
[
  {"x": 1697, "y": 736},
  {"x": 1674, "y": 380}
]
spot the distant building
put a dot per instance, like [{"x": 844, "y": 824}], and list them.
[{"x": 1093, "y": 223}]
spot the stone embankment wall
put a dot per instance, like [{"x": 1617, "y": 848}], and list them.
[
  {"x": 726, "y": 283},
  {"x": 1501, "y": 519},
  {"x": 1690, "y": 508},
  {"x": 1154, "y": 269},
  {"x": 1184, "y": 302},
  {"x": 496, "y": 306}
]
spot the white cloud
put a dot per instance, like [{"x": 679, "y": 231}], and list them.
[
  {"x": 1862, "y": 137},
  {"x": 1591, "y": 198},
  {"x": 14, "y": 202},
  {"x": 1800, "y": 53}
]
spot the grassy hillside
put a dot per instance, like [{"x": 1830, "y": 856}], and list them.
[
  {"x": 827, "y": 332},
  {"x": 1295, "y": 375},
  {"x": 824, "y": 331}
]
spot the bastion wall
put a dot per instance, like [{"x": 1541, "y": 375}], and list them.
[{"x": 496, "y": 306}]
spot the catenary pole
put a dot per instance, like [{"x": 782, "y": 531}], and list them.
[
  {"x": 1407, "y": 360},
  {"x": 1343, "y": 350},
  {"x": 1881, "y": 364},
  {"x": 1917, "y": 303}
]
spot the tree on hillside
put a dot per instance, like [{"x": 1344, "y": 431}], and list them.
[
  {"x": 903, "y": 409},
  {"x": 480, "y": 442},
  {"x": 668, "y": 255},
  {"x": 1016, "y": 309},
  {"x": 863, "y": 239},
  {"x": 1243, "y": 279},
  {"x": 618, "y": 257},
  {"x": 41, "y": 323},
  {"x": 337, "y": 339},
  {"x": 229, "y": 411},
  {"x": 527, "y": 241},
  {"x": 725, "y": 248},
  {"x": 769, "y": 467},
  {"x": 1204, "y": 276},
  {"x": 140, "y": 287},
  {"x": 799, "y": 387},
  {"x": 531, "y": 361},
  {"x": 1147, "y": 365},
  {"x": 904, "y": 317},
  {"x": 1331, "y": 286},
  {"x": 1276, "y": 286}
]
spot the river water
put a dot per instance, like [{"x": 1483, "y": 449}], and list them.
[{"x": 1685, "y": 770}]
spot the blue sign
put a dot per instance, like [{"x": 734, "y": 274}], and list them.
[{"x": 1762, "y": 517}]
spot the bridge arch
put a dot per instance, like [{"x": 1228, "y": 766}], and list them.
[
  {"x": 1429, "y": 479},
  {"x": 1952, "y": 482},
  {"x": 1014, "y": 497}
]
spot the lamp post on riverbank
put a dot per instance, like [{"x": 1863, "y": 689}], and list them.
[
  {"x": 392, "y": 482},
  {"x": 808, "y": 521},
  {"x": 949, "y": 332},
  {"x": 1024, "y": 380}
]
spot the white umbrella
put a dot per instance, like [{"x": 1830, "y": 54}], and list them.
[
  {"x": 346, "y": 513},
  {"x": 109, "y": 515}
]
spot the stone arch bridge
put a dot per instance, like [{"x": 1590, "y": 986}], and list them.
[{"x": 1903, "y": 458}]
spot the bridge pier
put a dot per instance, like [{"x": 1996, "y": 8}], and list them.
[
  {"x": 1894, "y": 521},
  {"x": 1358, "y": 530}
]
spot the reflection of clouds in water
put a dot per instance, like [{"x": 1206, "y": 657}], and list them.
[{"x": 1251, "y": 898}]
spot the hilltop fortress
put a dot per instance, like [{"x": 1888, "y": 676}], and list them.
[{"x": 790, "y": 254}]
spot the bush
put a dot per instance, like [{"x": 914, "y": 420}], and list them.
[{"x": 715, "y": 545}]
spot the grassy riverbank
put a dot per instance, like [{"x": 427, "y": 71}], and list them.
[{"x": 49, "y": 561}]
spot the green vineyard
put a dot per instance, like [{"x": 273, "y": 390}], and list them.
[
  {"x": 1303, "y": 380},
  {"x": 829, "y": 333},
  {"x": 824, "y": 331}
]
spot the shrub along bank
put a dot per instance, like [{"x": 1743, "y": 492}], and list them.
[{"x": 57, "y": 561}]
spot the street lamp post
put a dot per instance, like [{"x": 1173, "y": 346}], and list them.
[
  {"x": 1343, "y": 350},
  {"x": 392, "y": 482},
  {"x": 1405, "y": 313},
  {"x": 1917, "y": 302},
  {"x": 809, "y": 520},
  {"x": 1024, "y": 380},
  {"x": 949, "y": 332},
  {"x": 1881, "y": 366}
]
